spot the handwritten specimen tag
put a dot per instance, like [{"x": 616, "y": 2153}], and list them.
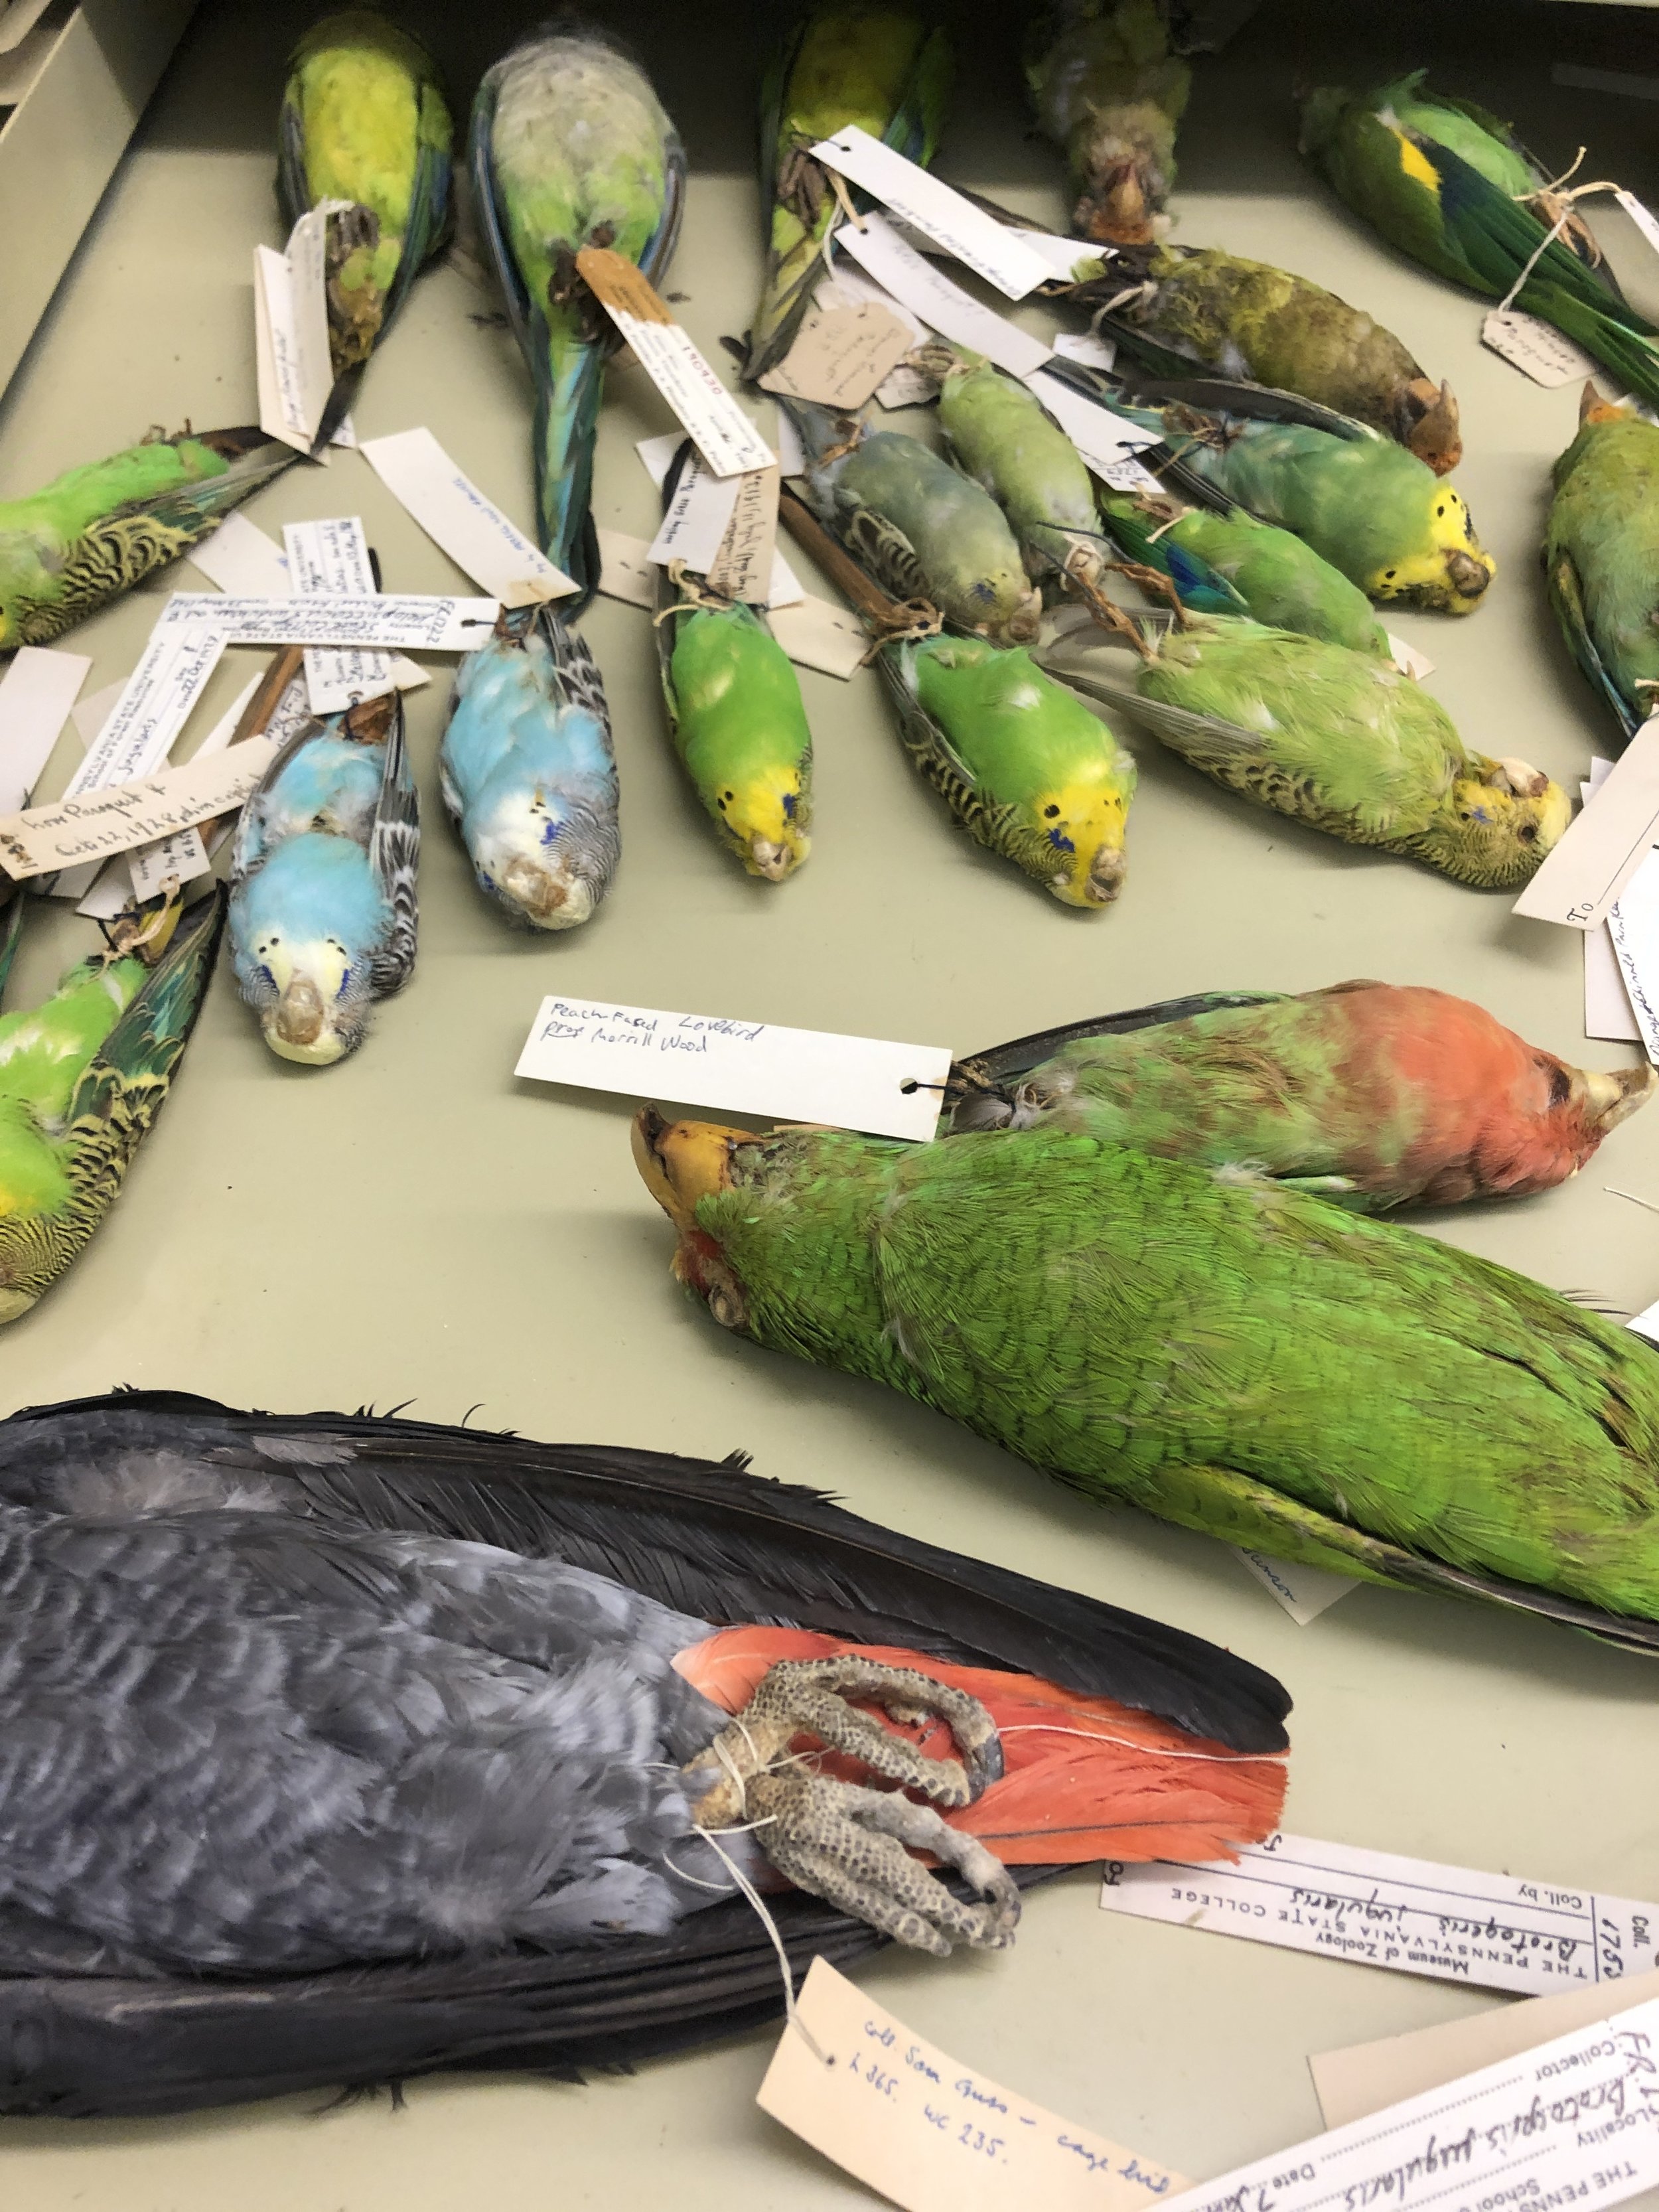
[
  {"x": 182, "y": 857},
  {"x": 747, "y": 1067},
  {"x": 726, "y": 437},
  {"x": 927, "y": 2132},
  {"x": 849, "y": 286},
  {"x": 407, "y": 621},
  {"x": 1493, "y": 1931},
  {"x": 333, "y": 555},
  {"x": 153, "y": 706},
  {"x": 1643, "y": 217},
  {"x": 1607, "y": 1002},
  {"x": 1535, "y": 347},
  {"x": 118, "y": 817},
  {"x": 978, "y": 240},
  {"x": 472, "y": 529},
  {"x": 1574, "y": 2121},
  {"x": 240, "y": 558},
  {"x": 1633, "y": 933},
  {"x": 1108, "y": 444},
  {"x": 36, "y": 694},
  {"x": 842, "y": 356},
  {"x": 944, "y": 306},
  {"x": 812, "y": 633},
  {"x": 1304, "y": 1592},
  {"x": 1602, "y": 849},
  {"x": 699, "y": 518},
  {"x": 290, "y": 308},
  {"x": 742, "y": 567}
]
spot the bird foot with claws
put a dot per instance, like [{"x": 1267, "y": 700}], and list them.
[{"x": 852, "y": 1845}]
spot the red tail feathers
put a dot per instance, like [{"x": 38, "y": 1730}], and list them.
[{"x": 1084, "y": 1778}]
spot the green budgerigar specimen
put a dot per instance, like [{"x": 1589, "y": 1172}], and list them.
[
  {"x": 1450, "y": 184},
  {"x": 1338, "y": 740},
  {"x": 879, "y": 67},
  {"x": 1109, "y": 91},
  {"x": 82, "y": 1077},
  {"x": 571, "y": 148},
  {"x": 1237, "y": 1357},
  {"x": 1168, "y": 307},
  {"x": 1602, "y": 555},
  {"x": 96, "y": 530},
  {"x": 364, "y": 122}
]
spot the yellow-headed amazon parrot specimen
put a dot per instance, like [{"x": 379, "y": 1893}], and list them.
[{"x": 1602, "y": 555}]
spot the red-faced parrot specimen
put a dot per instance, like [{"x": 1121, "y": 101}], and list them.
[
  {"x": 1602, "y": 555},
  {"x": 342, "y": 1749},
  {"x": 1240, "y": 1358},
  {"x": 1377, "y": 1094}
]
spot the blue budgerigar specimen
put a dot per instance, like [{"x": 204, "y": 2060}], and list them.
[
  {"x": 529, "y": 775},
  {"x": 323, "y": 905},
  {"x": 570, "y": 149}
]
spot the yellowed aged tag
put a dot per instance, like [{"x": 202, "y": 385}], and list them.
[
  {"x": 929, "y": 2133},
  {"x": 742, "y": 569},
  {"x": 619, "y": 284},
  {"x": 842, "y": 356},
  {"x": 122, "y": 816},
  {"x": 725, "y": 436}
]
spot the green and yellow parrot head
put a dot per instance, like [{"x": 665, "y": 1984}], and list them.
[
  {"x": 765, "y": 817},
  {"x": 1450, "y": 573},
  {"x": 1085, "y": 822},
  {"x": 1495, "y": 829},
  {"x": 683, "y": 1164}
]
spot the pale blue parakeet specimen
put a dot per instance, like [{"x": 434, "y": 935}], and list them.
[
  {"x": 529, "y": 775},
  {"x": 322, "y": 907},
  {"x": 570, "y": 149}
]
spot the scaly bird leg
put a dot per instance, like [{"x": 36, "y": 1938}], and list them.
[
  {"x": 1083, "y": 566},
  {"x": 845, "y": 1843}
]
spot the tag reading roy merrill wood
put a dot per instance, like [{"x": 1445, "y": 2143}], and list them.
[{"x": 752, "y": 1067}]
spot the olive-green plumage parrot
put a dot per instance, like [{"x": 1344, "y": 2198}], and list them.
[
  {"x": 1340, "y": 741},
  {"x": 1448, "y": 184},
  {"x": 364, "y": 121},
  {"x": 1602, "y": 555},
  {"x": 1235, "y": 1357},
  {"x": 82, "y": 1077},
  {"x": 1110, "y": 91},
  {"x": 876, "y": 67}
]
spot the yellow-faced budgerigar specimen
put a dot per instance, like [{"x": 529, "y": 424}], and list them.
[
  {"x": 1602, "y": 555},
  {"x": 96, "y": 530},
  {"x": 364, "y": 122},
  {"x": 83, "y": 1078},
  {"x": 528, "y": 773},
  {"x": 570, "y": 149},
  {"x": 1336, "y": 739},
  {"x": 323, "y": 906},
  {"x": 876, "y": 67}
]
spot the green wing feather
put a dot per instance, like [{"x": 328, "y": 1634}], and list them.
[{"x": 1566, "y": 597}]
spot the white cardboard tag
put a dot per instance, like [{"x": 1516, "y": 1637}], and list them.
[
  {"x": 1304, "y": 1592},
  {"x": 455, "y": 515},
  {"x": 1642, "y": 216},
  {"x": 182, "y": 857},
  {"x": 944, "y": 306},
  {"x": 1108, "y": 444},
  {"x": 929, "y": 2133},
  {"x": 849, "y": 286},
  {"x": 1602, "y": 849},
  {"x": 970, "y": 236},
  {"x": 883, "y": 1089},
  {"x": 410, "y": 622},
  {"x": 626, "y": 572},
  {"x": 743, "y": 565},
  {"x": 697, "y": 518},
  {"x": 332, "y": 555},
  {"x": 1088, "y": 346},
  {"x": 117, "y": 818},
  {"x": 240, "y": 558},
  {"x": 1536, "y": 348},
  {"x": 290, "y": 331},
  {"x": 153, "y": 706},
  {"x": 1448, "y": 1923},
  {"x": 811, "y": 632},
  {"x": 1409, "y": 661},
  {"x": 1632, "y": 928},
  {"x": 1607, "y": 1016},
  {"x": 1573, "y": 2122},
  {"x": 36, "y": 694}
]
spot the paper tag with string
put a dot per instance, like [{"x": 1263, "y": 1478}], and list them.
[
  {"x": 1536, "y": 348},
  {"x": 742, "y": 569}
]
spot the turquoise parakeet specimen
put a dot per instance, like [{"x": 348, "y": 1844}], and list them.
[
  {"x": 735, "y": 718},
  {"x": 1374, "y": 511},
  {"x": 1376, "y": 1094},
  {"x": 427, "y": 1719},
  {"x": 1602, "y": 555},
  {"x": 1169, "y": 307},
  {"x": 1339, "y": 741},
  {"x": 98, "y": 530},
  {"x": 1450, "y": 184},
  {"x": 322, "y": 910},
  {"x": 364, "y": 121},
  {"x": 1109, "y": 91},
  {"x": 918, "y": 526},
  {"x": 570, "y": 149},
  {"x": 528, "y": 773},
  {"x": 1237, "y": 1357},
  {"x": 876, "y": 67},
  {"x": 82, "y": 1077}
]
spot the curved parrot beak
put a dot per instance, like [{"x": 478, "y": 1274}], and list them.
[
  {"x": 297, "y": 1028},
  {"x": 1428, "y": 424},
  {"x": 1120, "y": 215},
  {"x": 546, "y": 898},
  {"x": 684, "y": 1162},
  {"x": 1607, "y": 1096},
  {"x": 1022, "y": 627},
  {"x": 1469, "y": 575}
]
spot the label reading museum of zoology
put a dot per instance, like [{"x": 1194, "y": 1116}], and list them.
[
  {"x": 749, "y": 1067},
  {"x": 1494, "y": 1931}
]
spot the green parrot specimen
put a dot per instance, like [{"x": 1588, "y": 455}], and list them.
[
  {"x": 1108, "y": 91},
  {"x": 1375, "y": 1094},
  {"x": 918, "y": 526},
  {"x": 1167, "y": 306},
  {"x": 1373, "y": 510},
  {"x": 1231, "y": 564},
  {"x": 1237, "y": 1357},
  {"x": 82, "y": 1079},
  {"x": 735, "y": 718},
  {"x": 1339, "y": 741},
  {"x": 878, "y": 67},
  {"x": 96, "y": 530},
  {"x": 1602, "y": 555},
  {"x": 1450, "y": 184},
  {"x": 570, "y": 149},
  {"x": 364, "y": 120}
]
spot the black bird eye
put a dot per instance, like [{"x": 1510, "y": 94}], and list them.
[
  {"x": 1528, "y": 833},
  {"x": 1389, "y": 575},
  {"x": 1049, "y": 812},
  {"x": 1560, "y": 1086}
]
